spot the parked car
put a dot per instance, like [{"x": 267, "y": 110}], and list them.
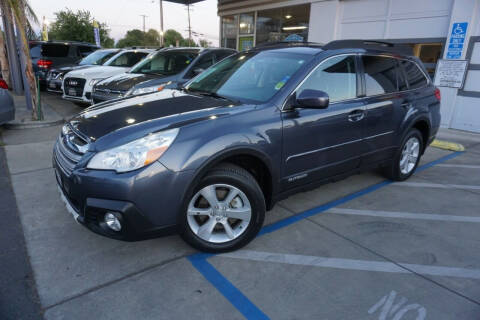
[
  {"x": 46, "y": 55},
  {"x": 168, "y": 68},
  {"x": 77, "y": 84},
  {"x": 207, "y": 161},
  {"x": 7, "y": 107},
  {"x": 96, "y": 58}
]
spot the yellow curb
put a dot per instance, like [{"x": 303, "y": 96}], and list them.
[{"x": 446, "y": 145}]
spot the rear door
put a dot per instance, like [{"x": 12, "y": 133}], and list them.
[
  {"x": 385, "y": 105},
  {"x": 322, "y": 143}
]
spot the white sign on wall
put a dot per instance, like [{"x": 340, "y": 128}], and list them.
[{"x": 450, "y": 73}]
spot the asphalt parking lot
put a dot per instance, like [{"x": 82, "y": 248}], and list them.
[{"x": 361, "y": 248}]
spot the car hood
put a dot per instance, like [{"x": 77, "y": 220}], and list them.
[
  {"x": 124, "y": 81},
  {"x": 66, "y": 69},
  {"x": 97, "y": 72},
  {"x": 143, "y": 114}
]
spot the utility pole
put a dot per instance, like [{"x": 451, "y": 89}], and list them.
[
  {"x": 161, "y": 24},
  {"x": 143, "y": 16},
  {"x": 189, "y": 26}
]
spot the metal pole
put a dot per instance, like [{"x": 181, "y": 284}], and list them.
[
  {"x": 189, "y": 26},
  {"x": 161, "y": 24},
  {"x": 144, "y": 16},
  {"x": 12, "y": 52}
]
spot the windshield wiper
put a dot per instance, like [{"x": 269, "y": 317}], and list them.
[{"x": 207, "y": 94}]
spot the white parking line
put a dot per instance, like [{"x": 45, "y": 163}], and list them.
[
  {"x": 351, "y": 264},
  {"x": 404, "y": 215},
  {"x": 436, "y": 185},
  {"x": 465, "y": 166}
]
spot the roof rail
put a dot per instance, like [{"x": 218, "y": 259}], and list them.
[
  {"x": 370, "y": 44},
  {"x": 287, "y": 43}
]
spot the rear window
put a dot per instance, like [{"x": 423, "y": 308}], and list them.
[
  {"x": 380, "y": 75},
  {"x": 415, "y": 77},
  {"x": 55, "y": 50}
]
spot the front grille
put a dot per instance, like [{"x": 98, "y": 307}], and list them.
[
  {"x": 107, "y": 94},
  {"x": 68, "y": 152},
  {"x": 74, "y": 86}
]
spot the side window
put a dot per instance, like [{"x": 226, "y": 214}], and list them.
[
  {"x": 402, "y": 81},
  {"x": 206, "y": 61},
  {"x": 85, "y": 50},
  {"x": 336, "y": 76},
  {"x": 415, "y": 77},
  {"x": 223, "y": 54},
  {"x": 380, "y": 75}
]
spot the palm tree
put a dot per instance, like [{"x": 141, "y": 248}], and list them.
[
  {"x": 22, "y": 14},
  {"x": 3, "y": 61}
]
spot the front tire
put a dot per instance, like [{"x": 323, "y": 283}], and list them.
[
  {"x": 407, "y": 158},
  {"x": 224, "y": 212}
]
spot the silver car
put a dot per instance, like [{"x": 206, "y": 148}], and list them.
[{"x": 7, "y": 109}]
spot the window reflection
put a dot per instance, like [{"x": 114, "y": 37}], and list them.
[
  {"x": 335, "y": 76},
  {"x": 287, "y": 23}
]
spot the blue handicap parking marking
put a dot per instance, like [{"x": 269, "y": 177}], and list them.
[
  {"x": 240, "y": 301},
  {"x": 457, "y": 40}
]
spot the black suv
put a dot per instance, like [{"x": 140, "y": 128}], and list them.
[
  {"x": 169, "y": 68},
  {"x": 208, "y": 160},
  {"x": 53, "y": 54},
  {"x": 97, "y": 58}
]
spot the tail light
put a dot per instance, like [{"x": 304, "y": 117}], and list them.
[
  {"x": 3, "y": 84},
  {"x": 45, "y": 64},
  {"x": 437, "y": 94}
]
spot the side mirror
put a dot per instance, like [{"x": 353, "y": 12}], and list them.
[
  {"x": 197, "y": 71},
  {"x": 313, "y": 99}
]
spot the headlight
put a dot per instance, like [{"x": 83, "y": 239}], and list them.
[
  {"x": 135, "y": 154},
  {"x": 94, "y": 81},
  {"x": 151, "y": 89}
]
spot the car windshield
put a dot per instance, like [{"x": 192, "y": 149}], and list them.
[
  {"x": 165, "y": 63},
  {"x": 98, "y": 57},
  {"x": 126, "y": 59},
  {"x": 257, "y": 76}
]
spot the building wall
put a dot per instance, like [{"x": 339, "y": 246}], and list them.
[
  {"x": 379, "y": 19},
  {"x": 413, "y": 21}
]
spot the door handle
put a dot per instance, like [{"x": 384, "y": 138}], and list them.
[
  {"x": 356, "y": 115},
  {"x": 406, "y": 105}
]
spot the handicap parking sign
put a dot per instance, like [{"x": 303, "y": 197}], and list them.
[{"x": 457, "y": 40}]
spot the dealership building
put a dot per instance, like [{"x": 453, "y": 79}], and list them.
[{"x": 444, "y": 34}]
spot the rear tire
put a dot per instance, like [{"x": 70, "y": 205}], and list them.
[
  {"x": 224, "y": 212},
  {"x": 407, "y": 157}
]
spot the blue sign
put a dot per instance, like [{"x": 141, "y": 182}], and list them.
[
  {"x": 294, "y": 38},
  {"x": 457, "y": 40}
]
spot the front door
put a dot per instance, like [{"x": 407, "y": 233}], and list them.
[{"x": 322, "y": 143}]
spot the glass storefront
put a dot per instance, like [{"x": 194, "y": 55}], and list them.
[
  {"x": 283, "y": 24},
  {"x": 229, "y": 32},
  {"x": 249, "y": 29}
]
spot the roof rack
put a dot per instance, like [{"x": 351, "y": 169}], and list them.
[
  {"x": 369, "y": 44},
  {"x": 64, "y": 41}
]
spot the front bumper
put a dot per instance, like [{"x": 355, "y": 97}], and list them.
[
  {"x": 147, "y": 201},
  {"x": 54, "y": 85}
]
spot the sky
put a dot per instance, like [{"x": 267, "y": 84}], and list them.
[{"x": 123, "y": 15}]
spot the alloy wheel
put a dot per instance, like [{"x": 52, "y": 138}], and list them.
[
  {"x": 410, "y": 153},
  {"x": 219, "y": 213}
]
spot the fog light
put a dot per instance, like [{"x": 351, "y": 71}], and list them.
[{"x": 112, "y": 221}]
